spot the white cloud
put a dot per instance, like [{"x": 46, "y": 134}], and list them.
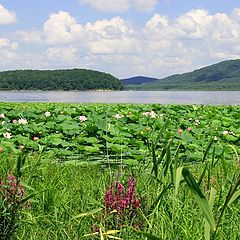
[
  {"x": 33, "y": 36},
  {"x": 113, "y": 36},
  {"x": 124, "y": 46},
  {"x": 6, "y": 43},
  {"x": 62, "y": 54},
  {"x": 120, "y": 5},
  {"x": 8, "y": 52},
  {"x": 61, "y": 27},
  {"x": 194, "y": 39},
  {"x": 6, "y": 16},
  {"x": 115, "y": 27},
  {"x": 163, "y": 46},
  {"x": 145, "y": 5}
]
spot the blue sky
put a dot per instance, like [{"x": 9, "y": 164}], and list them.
[{"x": 128, "y": 37}]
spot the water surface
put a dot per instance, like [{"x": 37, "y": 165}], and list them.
[{"x": 162, "y": 97}]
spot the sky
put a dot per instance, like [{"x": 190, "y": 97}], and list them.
[{"x": 155, "y": 38}]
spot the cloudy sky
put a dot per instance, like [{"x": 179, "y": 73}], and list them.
[{"x": 123, "y": 37}]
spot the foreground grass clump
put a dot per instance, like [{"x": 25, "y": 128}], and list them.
[{"x": 70, "y": 201}]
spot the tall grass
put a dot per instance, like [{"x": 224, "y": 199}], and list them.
[{"x": 179, "y": 200}]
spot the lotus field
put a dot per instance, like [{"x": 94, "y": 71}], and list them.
[{"x": 98, "y": 171}]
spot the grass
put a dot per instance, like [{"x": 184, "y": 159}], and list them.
[{"x": 63, "y": 192}]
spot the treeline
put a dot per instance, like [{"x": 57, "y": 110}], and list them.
[{"x": 70, "y": 79}]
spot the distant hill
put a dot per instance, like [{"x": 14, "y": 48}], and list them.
[
  {"x": 69, "y": 79},
  {"x": 138, "y": 80},
  {"x": 221, "y": 76}
]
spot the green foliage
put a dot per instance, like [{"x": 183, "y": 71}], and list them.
[
  {"x": 130, "y": 136},
  {"x": 74, "y": 79}
]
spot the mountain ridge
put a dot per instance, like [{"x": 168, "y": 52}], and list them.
[
  {"x": 224, "y": 75},
  {"x": 138, "y": 80}
]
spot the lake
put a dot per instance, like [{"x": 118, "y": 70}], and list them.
[{"x": 162, "y": 97}]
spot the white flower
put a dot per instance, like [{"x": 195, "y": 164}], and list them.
[
  {"x": 22, "y": 121},
  {"x": 7, "y": 135},
  {"x": 47, "y": 114},
  {"x": 197, "y": 122},
  {"x": 3, "y": 122},
  {"x": 215, "y": 138},
  {"x": 146, "y": 113},
  {"x": 224, "y": 133},
  {"x": 2, "y": 115},
  {"x": 151, "y": 114},
  {"x": 117, "y": 116},
  {"x": 83, "y": 118}
]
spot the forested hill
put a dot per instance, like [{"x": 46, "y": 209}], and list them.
[
  {"x": 70, "y": 79},
  {"x": 221, "y": 76}
]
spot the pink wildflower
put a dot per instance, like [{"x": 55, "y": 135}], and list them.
[
  {"x": 120, "y": 199},
  {"x": 12, "y": 191}
]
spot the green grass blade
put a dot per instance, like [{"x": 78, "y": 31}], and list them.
[
  {"x": 203, "y": 174},
  {"x": 234, "y": 197},
  {"x": 90, "y": 213},
  {"x": 208, "y": 149},
  {"x": 178, "y": 179},
  {"x": 147, "y": 235},
  {"x": 199, "y": 197},
  {"x": 211, "y": 203}
]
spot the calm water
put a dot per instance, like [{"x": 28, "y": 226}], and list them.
[{"x": 163, "y": 97}]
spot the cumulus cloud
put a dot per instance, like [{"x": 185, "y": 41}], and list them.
[
  {"x": 62, "y": 54},
  {"x": 145, "y": 5},
  {"x": 120, "y": 5},
  {"x": 33, "y": 36},
  {"x": 8, "y": 52},
  {"x": 163, "y": 46},
  {"x": 6, "y": 16},
  {"x": 114, "y": 36},
  {"x": 196, "y": 36},
  {"x": 6, "y": 43},
  {"x": 115, "y": 27},
  {"x": 61, "y": 27},
  {"x": 101, "y": 37}
]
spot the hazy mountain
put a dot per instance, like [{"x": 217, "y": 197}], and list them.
[
  {"x": 221, "y": 76},
  {"x": 138, "y": 80}
]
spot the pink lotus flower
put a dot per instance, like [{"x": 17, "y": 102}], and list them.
[
  {"x": 179, "y": 131},
  {"x": 35, "y": 138}
]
